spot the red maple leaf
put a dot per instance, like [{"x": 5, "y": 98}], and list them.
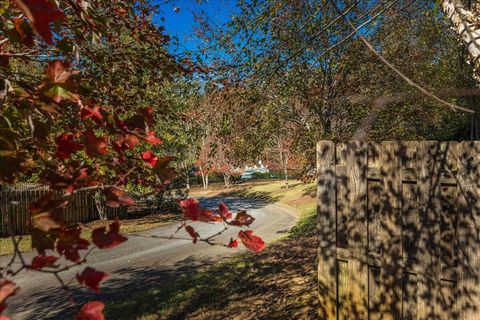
[
  {"x": 108, "y": 239},
  {"x": 47, "y": 212},
  {"x": 69, "y": 243},
  {"x": 24, "y": 31},
  {"x": 233, "y": 243},
  {"x": 116, "y": 197},
  {"x": 131, "y": 140},
  {"x": 7, "y": 289},
  {"x": 91, "y": 278},
  {"x": 94, "y": 113},
  {"x": 95, "y": 145},
  {"x": 41, "y": 13},
  {"x": 253, "y": 243},
  {"x": 224, "y": 212},
  {"x": 193, "y": 211},
  {"x": 92, "y": 310},
  {"x": 58, "y": 71},
  {"x": 163, "y": 171},
  {"x": 194, "y": 234},
  {"x": 149, "y": 157},
  {"x": 66, "y": 146},
  {"x": 242, "y": 219},
  {"x": 42, "y": 261},
  {"x": 151, "y": 139}
]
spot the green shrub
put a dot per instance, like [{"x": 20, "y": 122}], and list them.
[{"x": 261, "y": 175}]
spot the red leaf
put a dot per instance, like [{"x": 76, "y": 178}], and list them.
[
  {"x": 24, "y": 31},
  {"x": 69, "y": 243},
  {"x": 149, "y": 157},
  {"x": 193, "y": 211},
  {"x": 224, "y": 212},
  {"x": 151, "y": 139},
  {"x": 131, "y": 140},
  {"x": 66, "y": 146},
  {"x": 42, "y": 261},
  {"x": 42, "y": 240},
  {"x": 4, "y": 60},
  {"x": 232, "y": 243},
  {"x": 194, "y": 234},
  {"x": 147, "y": 113},
  {"x": 91, "y": 278},
  {"x": 103, "y": 239},
  {"x": 58, "y": 73},
  {"x": 242, "y": 219},
  {"x": 7, "y": 289},
  {"x": 163, "y": 171},
  {"x": 253, "y": 243},
  {"x": 47, "y": 213},
  {"x": 94, "y": 113},
  {"x": 91, "y": 311},
  {"x": 117, "y": 197},
  {"x": 41, "y": 13},
  {"x": 94, "y": 145}
]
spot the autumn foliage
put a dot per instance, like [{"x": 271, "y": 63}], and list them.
[{"x": 68, "y": 118}]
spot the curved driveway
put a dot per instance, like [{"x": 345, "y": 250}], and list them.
[{"x": 144, "y": 262}]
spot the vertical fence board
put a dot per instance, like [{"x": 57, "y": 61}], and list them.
[
  {"x": 469, "y": 222},
  {"x": 356, "y": 161},
  {"x": 391, "y": 234},
  {"x": 326, "y": 229},
  {"x": 429, "y": 163}
]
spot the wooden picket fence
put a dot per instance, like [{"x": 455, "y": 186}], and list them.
[
  {"x": 399, "y": 230},
  {"x": 14, "y": 203}
]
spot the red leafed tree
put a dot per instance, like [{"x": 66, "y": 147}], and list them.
[
  {"x": 79, "y": 98},
  {"x": 222, "y": 163}
]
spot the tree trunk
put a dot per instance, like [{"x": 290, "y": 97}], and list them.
[
  {"x": 206, "y": 181},
  {"x": 285, "y": 171},
  {"x": 98, "y": 197},
  {"x": 226, "y": 179},
  {"x": 284, "y": 162},
  {"x": 465, "y": 23}
]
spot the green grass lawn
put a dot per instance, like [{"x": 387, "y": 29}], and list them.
[{"x": 278, "y": 283}]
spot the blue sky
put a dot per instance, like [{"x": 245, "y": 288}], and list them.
[{"x": 181, "y": 23}]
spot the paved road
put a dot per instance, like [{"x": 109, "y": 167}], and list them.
[{"x": 142, "y": 263}]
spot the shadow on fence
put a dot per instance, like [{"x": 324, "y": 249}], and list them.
[{"x": 398, "y": 226}]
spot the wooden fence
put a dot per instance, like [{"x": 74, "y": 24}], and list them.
[
  {"x": 399, "y": 228},
  {"x": 14, "y": 202}
]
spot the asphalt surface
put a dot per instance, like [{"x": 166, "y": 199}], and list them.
[{"x": 143, "y": 262}]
